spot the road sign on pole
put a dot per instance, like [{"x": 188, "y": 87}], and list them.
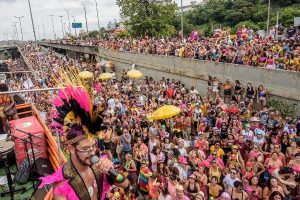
[{"x": 76, "y": 25}]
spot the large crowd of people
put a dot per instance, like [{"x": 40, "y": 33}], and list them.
[
  {"x": 225, "y": 146},
  {"x": 246, "y": 48},
  {"x": 212, "y": 150}
]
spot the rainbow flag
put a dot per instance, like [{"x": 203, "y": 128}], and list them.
[{"x": 143, "y": 180}]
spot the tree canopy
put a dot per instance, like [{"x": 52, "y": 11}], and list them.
[
  {"x": 148, "y": 17},
  {"x": 233, "y": 13},
  {"x": 161, "y": 18}
]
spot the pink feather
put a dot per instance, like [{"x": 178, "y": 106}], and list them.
[
  {"x": 83, "y": 99},
  {"x": 57, "y": 102},
  {"x": 53, "y": 115},
  {"x": 55, "y": 124},
  {"x": 63, "y": 94}
]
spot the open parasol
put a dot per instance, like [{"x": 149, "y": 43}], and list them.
[
  {"x": 106, "y": 76},
  {"x": 135, "y": 74},
  {"x": 165, "y": 112}
]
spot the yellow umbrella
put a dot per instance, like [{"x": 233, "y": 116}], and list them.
[
  {"x": 135, "y": 74},
  {"x": 86, "y": 75},
  {"x": 106, "y": 76},
  {"x": 165, "y": 112}
]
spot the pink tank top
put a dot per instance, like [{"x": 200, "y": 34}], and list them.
[{"x": 172, "y": 190}]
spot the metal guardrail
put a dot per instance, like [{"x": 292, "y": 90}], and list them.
[
  {"x": 32, "y": 90},
  {"x": 18, "y": 72}
]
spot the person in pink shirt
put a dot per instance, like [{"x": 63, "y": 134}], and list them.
[{"x": 180, "y": 193}]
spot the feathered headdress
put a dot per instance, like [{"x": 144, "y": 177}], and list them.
[{"x": 73, "y": 115}]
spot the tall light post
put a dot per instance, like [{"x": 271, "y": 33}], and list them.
[
  {"x": 97, "y": 16},
  {"x": 67, "y": 10},
  {"x": 44, "y": 30},
  {"x": 15, "y": 30},
  {"x": 20, "y": 25},
  {"x": 181, "y": 20},
  {"x": 268, "y": 20},
  {"x": 62, "y": 26},
  {"x": 277, "y": 25},
  {"x": 54, "y": 37},
  {"x": 86, "y": 23},
  {"x": 38, "y": 31},
  {"x": 74, "y": 22},
  {"x": 32, "y": 21}
]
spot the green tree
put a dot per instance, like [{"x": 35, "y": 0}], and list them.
[
  {"x": 233, "y": 13},
  {"x": 148, "y": 17},
  {"x": 288, "y": 14},
  {"x": 93, "y": 34}
]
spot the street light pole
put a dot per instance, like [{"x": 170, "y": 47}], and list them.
[
  {"x": 53, "y": 27},
  {"x": 181, "y": 20},
  {"x": 268, "y": 20},
  {"x": 86, "y": 23},
  {"x": 15, "y": 31},
  {"x": 67, "y": 10},
  {"x": 62, "y": 28},
  {"x": 277, "y": 25},
  {"x": 20, "y": 25},
  {"x": 74, "y": 22},
  {"x": 44, "y": 30},
  {"x": 38, "y": 31},
  {"x": 32, "y": 21},
  {"x": 97, "y": 16}
]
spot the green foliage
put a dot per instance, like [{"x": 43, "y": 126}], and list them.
[
  {"x": 93, "y": 34},
  {"x": 288, "y": 14},
  {"x": 123, "y": 34},
  {"x": 234, "y": 13},
  {"x": 160, "y": 18},
  {"x": 248, "y": 23},
  {"x": 148, "y": 17}
]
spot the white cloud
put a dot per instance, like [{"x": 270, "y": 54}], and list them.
[{"x": 41, "y": 9}]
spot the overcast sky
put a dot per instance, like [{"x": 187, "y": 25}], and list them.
[{"x": 41, "y": 9}]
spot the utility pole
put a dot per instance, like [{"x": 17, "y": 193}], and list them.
[
  {"x": 181, "y": 20},
  {"x": 86, "y": 23},
  {"x": 67, "y": 10},
  {"x": 62, "y": 28},
  {"x": 97, "y": 16},
  {"x": 44, "y": 30},
  {"x": 15, "y": 30},
  {"x": 268, "y": 20},
  {"x": 74, "y": 22},
  {"x": 32, "y": 21},
  {"x": 54, "y": 37},
  {"x": 277, "y": 25},
  {"x": 39, "y": 33},
  {"x": 20, "y": 25}
]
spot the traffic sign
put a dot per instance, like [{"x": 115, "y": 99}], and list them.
[{"x": 77, "y": 25}]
